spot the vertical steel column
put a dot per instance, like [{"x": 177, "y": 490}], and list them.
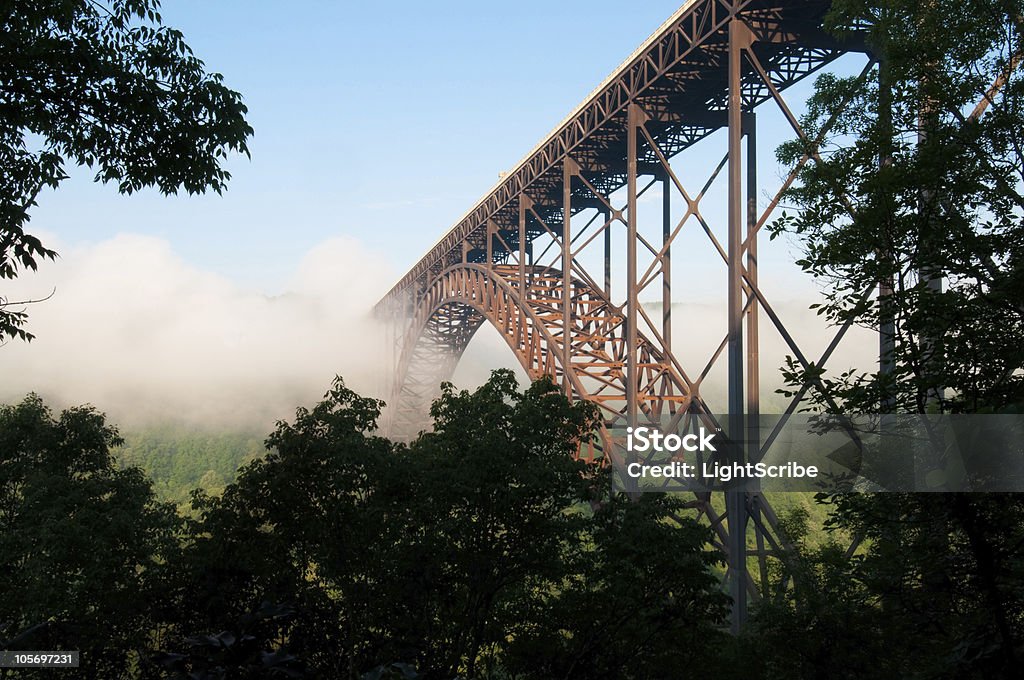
[
  {"x": 524, "y": 203},
  {"x": 606, "y": 214},
  {"x": 569, "y": 168},
  {"x": 521, "y": 324},
  {"x": 492, "y": 228},
  {"x": 753, "y": 343},
  {"x": 666, "y": 263},
  {"x": 634, "y": 121},
  {"x": 736, "y": 507},
  {"x": 753, "y": 434},
  {"x": 886, "y": 317}
]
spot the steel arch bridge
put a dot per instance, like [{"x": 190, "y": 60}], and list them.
[{"x": 559, "y": 253}]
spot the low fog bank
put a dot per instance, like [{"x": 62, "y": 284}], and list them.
[
  {"x": 148, "y": 339},
  {"x": 145, "y": 337},
  {"x": 697, "y": 330}
]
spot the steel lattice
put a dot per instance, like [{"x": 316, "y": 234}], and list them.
[{"x": 534, "y": 256}]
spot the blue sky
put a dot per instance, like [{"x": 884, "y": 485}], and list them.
[{"x": 381, "y": 121}]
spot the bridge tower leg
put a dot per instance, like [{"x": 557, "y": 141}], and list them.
[{"x": 736, "y": 501}]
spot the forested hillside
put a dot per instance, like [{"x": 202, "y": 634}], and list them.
[
  {"x": 341, "y": 554},
  {"x": 179, "y": 458}
]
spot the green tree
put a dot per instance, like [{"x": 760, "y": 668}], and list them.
[
  {"x": 81, "y": 541},
  {"x": 935, "y": 593},
  {"x": 103, "y": 84},
  {"x": 919, "y": 196},
  {"x": 180, "y": 458},
  {"x": 495, "y": 483},
  {"x": 388, "y": 553},
  {"x": 297, "y": 529},
  {"x": 828, "y": 623},
  {"x": 638, "y": 600},
  {"x": 467, "y": 553}
]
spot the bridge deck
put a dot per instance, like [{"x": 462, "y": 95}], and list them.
[{"x": 679, "y": 78}]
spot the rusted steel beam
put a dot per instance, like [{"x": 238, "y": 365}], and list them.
[{"x": 685, "y": 45}]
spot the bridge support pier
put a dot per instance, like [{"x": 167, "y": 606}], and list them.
[{"x": 736, "y": 501}]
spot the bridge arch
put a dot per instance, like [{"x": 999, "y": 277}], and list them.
[{"x": 527, "y": 309}]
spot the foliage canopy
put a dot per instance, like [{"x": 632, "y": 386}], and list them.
[
  {"x": 106, "y": 85},
  {"x": 481, "y": 549},
  {"x": 918, "y": 196},
  {"x": 913, "y": 221}
]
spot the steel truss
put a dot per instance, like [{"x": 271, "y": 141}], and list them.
[{"x": 535, "y": 257}]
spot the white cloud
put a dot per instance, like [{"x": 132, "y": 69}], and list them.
[{"x": 143, "y": 335}]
